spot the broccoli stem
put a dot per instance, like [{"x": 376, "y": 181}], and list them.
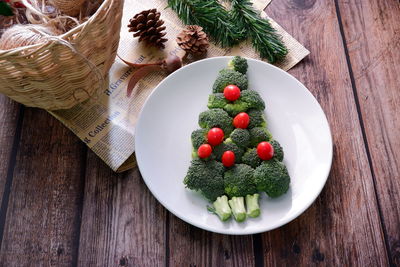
[
  {"x": 194, "y": 153},
  {"x": 238, "y": 209},
  {"x": 253, "y": 209},
  {"x": 231, "y": 64},
  {"x": 228, "y": 140},
  {"x": 221, "y": 208}
]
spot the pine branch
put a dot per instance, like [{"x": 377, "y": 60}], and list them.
[
  {"x": 5, "y": 9},
  {"x": 263, "y": 36},
  {"x": 212, "y": 16}
]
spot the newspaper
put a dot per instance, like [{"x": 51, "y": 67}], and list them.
[{"x": 106, "y": 122}]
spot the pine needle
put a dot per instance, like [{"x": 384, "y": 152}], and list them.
[
  {"x": 210, "y": 15},
  {"x": 263, "y": 36},
  {"x": 228, "y": 28}
]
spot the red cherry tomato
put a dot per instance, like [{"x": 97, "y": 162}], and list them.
[
  {"x": 215, "y": 136},
  {"x": 241, "y": 120},
  {"x": 228, "y": 158},
  {"x": 232, "y": 92},
  {"x": 265, "y": 151},
  {"x": 204, "y": 151}
]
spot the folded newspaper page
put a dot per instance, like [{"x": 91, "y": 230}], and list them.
[{"x": 106, "y": 122}]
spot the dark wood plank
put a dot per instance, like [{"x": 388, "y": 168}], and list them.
[
  {"x": 372, "y": 31},
  {"x": 9, "y": 112},
  {"x": 191, "y": 246},
  {"x": 122, "y": 223},
  {"x": 43, "y": 217},
  {"x": 343, "y": 226}
]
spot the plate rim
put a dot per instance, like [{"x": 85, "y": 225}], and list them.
[{"x": 226, "y": 231}]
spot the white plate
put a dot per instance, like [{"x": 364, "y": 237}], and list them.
[{"x": 296, "y": 120}]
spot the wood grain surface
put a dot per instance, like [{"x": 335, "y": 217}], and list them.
[
  {"x": 62, "y": 206},
  {"x": 9, "y": 119},
  {"x": 372, "y": 34},
  {"x": 122, "y": 223},
  {"x": 205, "y": 248},
  {"x": 11, "y": 116},
  {"x": 43, "y": 215}
]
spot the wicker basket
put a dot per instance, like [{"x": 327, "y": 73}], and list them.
[{"x": 51, "y": 75}]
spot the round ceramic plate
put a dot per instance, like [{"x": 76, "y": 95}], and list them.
[{"x": 296, "y": 120}]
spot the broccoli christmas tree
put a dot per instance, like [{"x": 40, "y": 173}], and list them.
[{"x": 234, "y": 155}]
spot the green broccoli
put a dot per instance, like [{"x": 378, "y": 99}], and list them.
[
  {"x": 272, "y": 177},
  {"x": 239, "y": 181},
  {"x": 239, "y": 64},
  {"x": 216, "y": 118},
  {"x": 241, "y": 137},
  {"x": 221, "y": 208},
  {"x": 227, "y": 77},
  {"x": 236, "y": 107},
  {"x": 256, "y": 118},
  {"x": 217, "y": 100},
  {"x": 278, "y": 150},
  {"x": 206, "y": 177},
  {"x": 251, "y": 158},
  {"x": 219, "y": 150},
  {"x": 253, "y": 99},
  {"x": 259, "y": 134},
  {"x": 238, "y": 209},
  {"x": 199, "y": 137},
  {"x": 253, "y": 208}
]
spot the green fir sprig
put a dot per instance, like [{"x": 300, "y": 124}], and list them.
[
  {"x": 263, "y": 36},
  {"x": 210, "y": 15},
  {"x": 228, "y": 28},
  {"x": 5, "y": 9}
]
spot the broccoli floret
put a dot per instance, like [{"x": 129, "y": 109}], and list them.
[
  {"x": 253, "y": 99},
  {"x": 239, "y": 64},
  {"x": 253, "y": 208},
  {"x": 238, "y": 209},
  {"x": 256, "y": 118},
  {"x": 216, "y": 118},
  {"x": 206, "y": 177},
  {"x": 217, "y": 100},
  {"x": 248, "y": 100},
  {"x": 228, "y": 145},
  {"x": 259, "y": 134},
  {"x": 239, "y": 181},
  {"x": 221, "y": 208},
  {"x": 227, "y": 77},
  {"x": 251, "y": 158},
  {"x": 236, "y": 107},
  {"x": 241, "y": 137},
  {"x": 199, "y": 138},
  {"x": 278, "y": 150},
  {"x": 272, "y": 177}
]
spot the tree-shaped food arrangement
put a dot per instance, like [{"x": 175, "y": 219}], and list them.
[{"x": 234, "y": 155}]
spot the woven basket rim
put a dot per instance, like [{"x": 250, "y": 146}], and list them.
[{"x": 62, "y": 36}]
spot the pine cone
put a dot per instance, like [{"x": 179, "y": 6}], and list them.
[
  {"x": 147, "y": 25},
  {"x": 193, "y": 40}
]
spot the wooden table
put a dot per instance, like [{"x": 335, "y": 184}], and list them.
[{"x": 61, "y": 206}]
